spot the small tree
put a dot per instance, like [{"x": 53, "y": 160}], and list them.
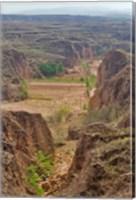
[{"x": 85, "y": 67}]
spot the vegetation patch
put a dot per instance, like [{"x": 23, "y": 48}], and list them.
[
  {"x": 51, "y": 68},
  {"x": 60, "y": 115},
  {"x": 89, "y": 80},
  {"x": 24, "y": 88},
  {"x": 111, "y": 113},
  {"x": 60, "y": 80},
  {"x": 39, "y": 171}
]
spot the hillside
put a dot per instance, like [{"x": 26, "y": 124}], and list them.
[
  {"x": 92, "y": 147},
  {"x": 66, "y": 39},
  {"x": 66, "y": 118},
  {"x": 102, "y": 163}
]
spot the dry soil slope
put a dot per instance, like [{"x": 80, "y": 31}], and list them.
[{"x": 23, "y": 136}]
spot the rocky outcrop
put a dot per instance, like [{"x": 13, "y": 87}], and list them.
[
  {"x": 14, "y": 70},
  {"x": 15, "y": 65},
  {"x": 101, "y": 165},
  {"x": 23, "y": 136},
  {"x": 113, "y": 82}
]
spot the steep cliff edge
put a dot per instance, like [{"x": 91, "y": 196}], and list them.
[
  {"x": 23, "y": 136},
  {"x": 102, "y": 164},
  {"x": 113, "y": 81}
]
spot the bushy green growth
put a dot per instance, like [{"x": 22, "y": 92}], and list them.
[
  {"x": 39, "y": 170},
  {"x": 90, "y": 82},
  {"x": 44, "y": 163},
  {"x": 24, "y": 88},
  {"x": 33, "y": 178},
  {"x": 82, "y": 79},
  {"x": 51, "y": 68}
]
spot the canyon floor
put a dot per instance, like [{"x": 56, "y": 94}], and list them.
[{"x": 61, "y": 105}]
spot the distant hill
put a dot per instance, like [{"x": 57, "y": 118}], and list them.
[
  {"x": 66, "y": 39},
  {"x": 64, "y": 18}
]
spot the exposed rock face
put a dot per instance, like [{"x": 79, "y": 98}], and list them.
[
  {"x": 78, "y": 52},
  {"x": 23, "y": 135},
  {"x": 15, "y": 65},
  {"x": 97, "y": 153},
  {"x": 14, "y": 70},
  {"x": 113, "y": 82},
  {"x": 72, "y": 53}
]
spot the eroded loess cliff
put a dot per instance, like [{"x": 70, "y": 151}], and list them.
[
  {"x": 103, "y": 159},
  {"x": 15, "y": 65},
  {"x": 23, "y": 136},
  {"x": 14, "y": 70},
  {"x": 113, "y": 81},
  {"x": 72, "y": 53}
]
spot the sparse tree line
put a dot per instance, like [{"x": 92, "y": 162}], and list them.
[{"x": 51, "y": 69}]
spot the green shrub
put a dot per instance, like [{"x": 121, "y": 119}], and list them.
[
  {"x": 33, "y": 178},
  {"x": 36, "y": 172},
  {"x": 51, "y": 68},
  {"x": 90, "y": 82},
  {"x": 82, "y": 79},
  {"x": 44, "y": 163},
  {"x": 24, "y": 88}
]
